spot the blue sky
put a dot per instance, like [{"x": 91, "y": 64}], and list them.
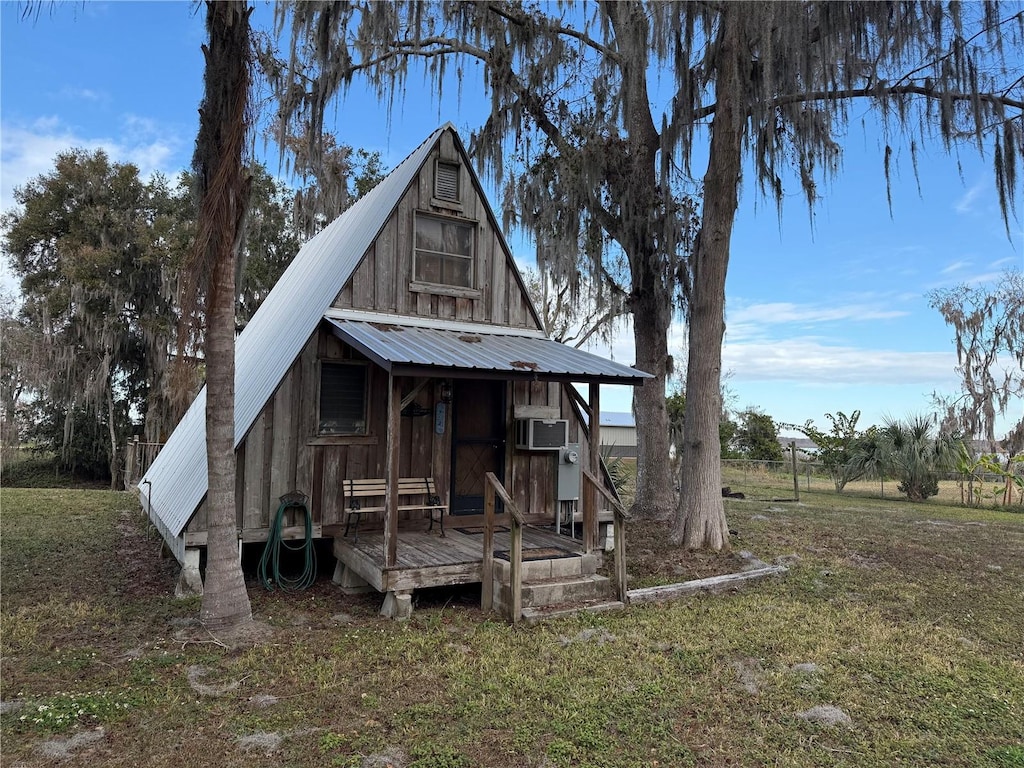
[{"x": 823, "y": 318}]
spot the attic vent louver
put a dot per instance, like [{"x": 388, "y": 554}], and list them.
[{"x": 446, "y": 182}]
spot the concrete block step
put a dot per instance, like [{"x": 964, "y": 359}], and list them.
[
  {"x": 566, "y": 590},
  {"x": 535, "y": 615},
  {"x": 561, "y": 567}
]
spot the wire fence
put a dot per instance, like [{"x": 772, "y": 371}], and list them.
[
  {"x": 137, "y": 458},
  {"x": 777, "y": 481}
]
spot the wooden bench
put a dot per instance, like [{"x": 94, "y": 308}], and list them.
[{"x": 357, "y": 490}]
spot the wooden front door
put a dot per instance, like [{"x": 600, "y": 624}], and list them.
[{"x": 478, "y": 441}]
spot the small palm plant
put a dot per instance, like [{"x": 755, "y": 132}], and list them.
[
  {"x": 966, "y": 467},
  {"x": 914, "y": 453}
]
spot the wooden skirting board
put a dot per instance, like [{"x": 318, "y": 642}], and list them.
[{"x": 711, "y": 584}]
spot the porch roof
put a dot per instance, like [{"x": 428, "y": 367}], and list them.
[{"x": 465, "y": 350}]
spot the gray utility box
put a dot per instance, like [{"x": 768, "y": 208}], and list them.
[{"x": 569, "y": 472}]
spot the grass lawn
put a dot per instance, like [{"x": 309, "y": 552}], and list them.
[{"x": 907, "y": 618}]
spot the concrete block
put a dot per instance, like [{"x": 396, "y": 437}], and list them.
[
  {"x": 606, "y": 537},
  {"x": 537, "y": 570},
  {"x": 568, "y": 590},
  {"x": 190, "y": 582},
  {"x": 590, "y": 563},
  {"x": 350, "y": 582},
  {"x": 566, "y": 566},
  {"x": 397, "y": 605}
]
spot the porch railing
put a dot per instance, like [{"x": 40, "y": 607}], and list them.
[
  {"x": 592, "y": 487},
  {"x": 514, "y": 610}
]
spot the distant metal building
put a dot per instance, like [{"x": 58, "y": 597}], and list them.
[{"x": 618, "y": 434}]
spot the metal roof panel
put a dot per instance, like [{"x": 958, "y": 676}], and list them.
[{"x": 402, "y": 347}]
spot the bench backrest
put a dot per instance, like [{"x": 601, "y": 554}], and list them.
[{"x": 407, "y": 486}]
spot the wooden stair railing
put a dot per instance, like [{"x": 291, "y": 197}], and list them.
[
  {"x": 493, "y": 488},
  {"x": 619, "y": 528}
]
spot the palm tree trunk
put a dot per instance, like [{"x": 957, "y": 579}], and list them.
[{"x": 224, "y": 199}]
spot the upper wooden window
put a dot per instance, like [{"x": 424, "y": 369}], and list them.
[
  {"x": 342, "y": 398},
  {"x": 444, "y": 251},
  {"x": 446, "y": 182}
]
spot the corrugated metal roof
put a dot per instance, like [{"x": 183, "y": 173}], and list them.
[
  {"x": 274, "y": 337},
  {"x": 617, "y": 419},
  {"x": 409, "y": 349}
]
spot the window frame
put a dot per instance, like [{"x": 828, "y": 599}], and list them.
[{"x": 450, "y": 289}]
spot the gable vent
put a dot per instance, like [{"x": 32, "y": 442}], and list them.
[{"x": 446, "y": 181}]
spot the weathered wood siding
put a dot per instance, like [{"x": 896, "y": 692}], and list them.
[
  {"x": 283, "y": 452},
  {"x": 383, "y": 281}
]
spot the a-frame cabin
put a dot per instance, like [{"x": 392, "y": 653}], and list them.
[{"x": 396, "y": 366}]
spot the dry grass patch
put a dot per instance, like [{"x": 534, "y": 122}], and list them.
[{"x": 904, "y": 617}]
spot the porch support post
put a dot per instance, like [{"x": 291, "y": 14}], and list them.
[
  {"x": 590, "y": 499},
  {"x": 391, "y": 473}
]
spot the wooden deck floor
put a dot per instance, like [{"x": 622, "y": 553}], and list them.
[{"x": 427, "y": 560}]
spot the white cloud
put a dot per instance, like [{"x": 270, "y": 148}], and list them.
[
  {"x": 786, "y": 312},
  {"x": 966, "y": 202},
  {"x": 28, "y": 149},
  {"x": 84, "y": 94},
  {"x": 808, "y": 361},
  {"x": 956, "y": 266}
]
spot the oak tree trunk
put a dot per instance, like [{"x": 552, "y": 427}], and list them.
[
  {"x": 112, "y": 431},
  {"x": 635, "y": 187},
  {"x": 654, "y": 482},
  {"x": 700, "y": 516}
]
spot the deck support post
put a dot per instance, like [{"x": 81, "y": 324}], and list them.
[
  {"x": 397, "y": 605},
  {"x": 190, "y": 582},
  {"x": 391, "y": 473},
  {"x": 351, "y": 583}
]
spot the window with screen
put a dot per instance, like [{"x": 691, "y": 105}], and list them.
[
  {"x": 342, "y": 398},
  {"x": 444, "y": 251}
]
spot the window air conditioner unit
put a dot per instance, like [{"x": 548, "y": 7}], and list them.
[{"x": 541, "y": 434}]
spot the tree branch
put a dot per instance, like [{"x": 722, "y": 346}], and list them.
[
  {"x": 867, "y": 92},
  {"x": 909, "y": 75},
  {"x": 521, "y": 20}
]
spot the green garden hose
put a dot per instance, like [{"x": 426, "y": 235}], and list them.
[{"x": 275, "y": 543}]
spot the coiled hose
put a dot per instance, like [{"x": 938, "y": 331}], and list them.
[{"x": 271, "y": 557}]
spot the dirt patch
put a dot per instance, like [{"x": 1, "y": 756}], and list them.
[
  {"x": 197, "y": 673},
  {"x": 826, "y": 714},
  {"x": 748, "y": 674},
  {"x": 248, "y": 635},
  {"x": 263, "y": 741},
  {"x": 393, "y": 758},
  {"x": 146, "y": 573},
  {"x": 592, "y": 635},
  {"x": 652, "y": 558},
  {"x": 60, "y": 749}
]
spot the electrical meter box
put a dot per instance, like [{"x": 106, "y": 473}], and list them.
[{"x": 569, "y": 472}]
